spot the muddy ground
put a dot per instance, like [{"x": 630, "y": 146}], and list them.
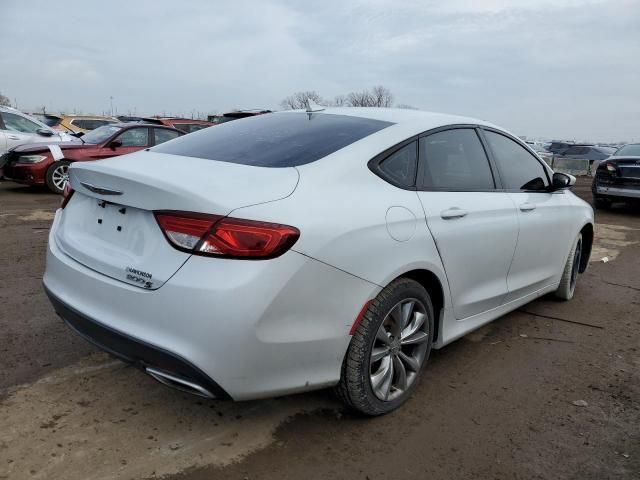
[{"x": 498, "y": 404}]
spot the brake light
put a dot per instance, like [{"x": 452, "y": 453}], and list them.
[
  {"x": 611, "y": 167},
  {"x": 213, "y": 235},
  {"x": 67, "y": 193}
]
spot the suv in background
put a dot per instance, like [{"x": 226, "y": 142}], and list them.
[{"x": 76, "y": 123}]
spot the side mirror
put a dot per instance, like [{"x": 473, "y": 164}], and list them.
[
  {"x": 115, "y": 144},
  {"x": 561, "y": 181},
  {"x": 44, "y": 132}
]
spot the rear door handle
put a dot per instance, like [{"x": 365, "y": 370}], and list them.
[
  {"x": 452, "y": 213},
  {"x": 13, "y": 137},
  {"x": 527, "y": 207}
]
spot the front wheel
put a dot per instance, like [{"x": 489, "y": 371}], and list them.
[
  {"x": 388, "y": 349},
  {"x": 569, "y": 278},
  {"x": 58, "y": 176}
]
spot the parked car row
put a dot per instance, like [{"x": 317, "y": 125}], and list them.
[
  {"x": 45, "y": 164},
  {"x": 74, "y": 123}
]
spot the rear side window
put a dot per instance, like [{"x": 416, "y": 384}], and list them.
[
  {"x": 275, "y": 139},
  {"x": 454, "y": 160},
  {"x": 135, "y": 137},
  {"x": 400, "y": 167},
  {"x": 89, "y": 124},
  {"x": 519, "y": 169}
]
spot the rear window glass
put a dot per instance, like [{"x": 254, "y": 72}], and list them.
[{"x": 274, "y": 140}]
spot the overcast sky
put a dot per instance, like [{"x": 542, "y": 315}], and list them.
[{"x": 557, "y": 69}]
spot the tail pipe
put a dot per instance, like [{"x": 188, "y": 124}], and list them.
[{"x": 179, "y": 383}]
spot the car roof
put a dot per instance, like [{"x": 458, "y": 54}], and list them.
[
  {"x": 140, "y": 124},
  {"x": 417, "y": 119}
]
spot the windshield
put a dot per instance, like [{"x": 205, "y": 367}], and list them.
[
  {"x": 274, "y": 139},
  {"x": 100, "y": 134},
  {"x": 632, "y": 150}
]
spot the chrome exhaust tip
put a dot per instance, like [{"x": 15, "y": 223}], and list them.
[{"x": 178, "y": 383}]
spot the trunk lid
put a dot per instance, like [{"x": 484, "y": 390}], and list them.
[{"x": 109, "y": 225}]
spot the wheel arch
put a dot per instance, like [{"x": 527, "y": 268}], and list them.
[
  {"x": 587, "y": 244},
  {"x": 434, "y": 287}
]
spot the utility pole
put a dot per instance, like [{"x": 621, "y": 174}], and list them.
[{"x": 111, "y": 99}]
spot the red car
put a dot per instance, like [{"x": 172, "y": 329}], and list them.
[{"x": 43, "y": 164}]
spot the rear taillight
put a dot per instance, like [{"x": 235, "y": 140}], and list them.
[
  {"x": 611, "y": 168},
  {"x": 67, "y": 193},
  {"x": 226, "y": 237}
]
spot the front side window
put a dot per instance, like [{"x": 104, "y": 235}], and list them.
[
  {"x": 519, "y": 169},
  {"x": 454, "y": 160},
  {"x": 100, "y": 134},
  {"x": 135, "y": 137},
  {"x": 162, "y": 135},
  {"x": 17, "y": 123},
  {"x": 400, "y": 167},
  {"x": 275, "y": 139}
]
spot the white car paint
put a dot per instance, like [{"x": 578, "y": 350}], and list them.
[
  {"x": 269, "y": 327},
  {"x": 12, "y": 136}
]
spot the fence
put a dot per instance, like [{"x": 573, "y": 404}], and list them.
[{"x": 573, "y": 166}]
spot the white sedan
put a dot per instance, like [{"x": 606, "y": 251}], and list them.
[{"x": 300, "y": 250}]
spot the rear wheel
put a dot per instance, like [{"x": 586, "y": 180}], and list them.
[
  {"x": 567, "y": 285},
  {"x": 601, "y": 203},
  {"x": 388, "y": 349},
  {"x": 58, "y": 176}
]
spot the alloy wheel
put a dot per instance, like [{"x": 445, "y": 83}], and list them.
[
  {"x": 399, "y": 349},
  {"x": 60, "y": 176}
]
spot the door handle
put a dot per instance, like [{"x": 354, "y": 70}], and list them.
[
  {"x": 452, "y": 213},
  {"x": 13, "y": 137},
  {"x": 527, "y": 207}
]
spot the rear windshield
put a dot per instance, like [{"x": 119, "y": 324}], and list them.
[
  {"x": 274, "y": 139},
  {"x": 632, "y": 150}
]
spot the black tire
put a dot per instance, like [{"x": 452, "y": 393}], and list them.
[
  {"x": 567, "y": 286},
  {"x": 601, "y": 203},
  {"x": 355, "y": 387},
  {"x": 54, "y": 172}
]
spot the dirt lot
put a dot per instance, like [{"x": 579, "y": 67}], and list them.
[{"x": 496, "y": 404}]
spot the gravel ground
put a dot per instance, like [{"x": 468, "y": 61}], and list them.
[{"x": 532, "y": 395}]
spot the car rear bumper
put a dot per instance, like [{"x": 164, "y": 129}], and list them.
[
  {"x": 630, "y": 192},
  {"x": 147, "y": 357},
  {"x": 246, "y": 329}
]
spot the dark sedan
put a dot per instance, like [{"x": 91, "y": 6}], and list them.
[
  {"x": 618, "y": 178},
  {"x": 43, "y": 164}
]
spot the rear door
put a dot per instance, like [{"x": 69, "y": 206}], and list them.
[
  {"x": 544, "y": 240},
  {"x": 474, "y": 225}
]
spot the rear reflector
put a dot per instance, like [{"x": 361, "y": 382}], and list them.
[{"x": 226, "y": 237}]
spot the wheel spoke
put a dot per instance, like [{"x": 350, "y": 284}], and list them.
[
  {"x": 401, "y": 373},
  {"x": 396, "y": 319},
  {"x": 417, "y": 337},
  {"x": 409, "y": 362},
  {"x": 385, "y": 387},
  {"x": 382, "y": 335},
  {"x": 407, "y": 313},
  {"x": 415, "y": 325},
  {"x": 379, "y": 353}
]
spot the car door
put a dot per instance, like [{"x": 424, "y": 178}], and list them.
[
  {"x": 129, "y": 141},
  {"x": 474, "y": 225},
  {"x": 544, "y": 239}
]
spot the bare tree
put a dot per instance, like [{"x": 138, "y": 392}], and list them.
[
  {"x": 340, "y": 101},
  {"x": 301, "y": 100},
  {"x": 381, "y": 96},
  {"x": 360, "y": 99},
  {"x": 4, "y": 101}
]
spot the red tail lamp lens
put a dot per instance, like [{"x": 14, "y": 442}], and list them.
[{"x": 227, "y": 237}]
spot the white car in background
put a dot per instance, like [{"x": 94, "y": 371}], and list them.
[
  {"x": 299, "y": 250},
  {"x": 17, "y": 128}
]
